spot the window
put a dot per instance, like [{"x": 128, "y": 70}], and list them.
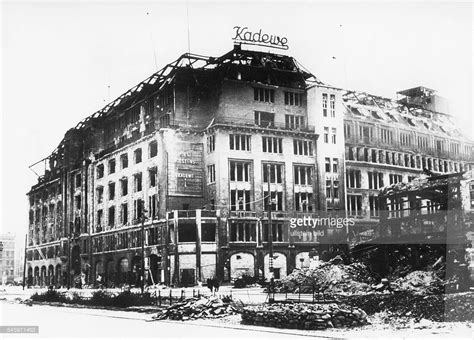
[
  {"x": 124, "y": 186},
  {"x": 423, "y": 142},
  {"x": 302, "y": 147},
  {"x": 111, "y": 216},
  {"x": 354, "y": 205},
  {"x": 100, "y": 194},
  {"x": 276, "y": 173},
  {"x": 124, "y": 160},
  {"x": 332, "y": 103},
  {"x": 208, "y": 232},
  {"x": 138, "y": 156},
  {"x": 303, "y": 174},
  {"x": 239, "y": 142},
  {"x": 153, "y": 177},
  {"x": 264, "y": 95},
  {"x": 335, "y": 165},
  {"x": 272, "y": 144},
  {"x": 112, "y": 166},
  {"x": 333, "y": 136},
  {"x": 138, "y": 206},
  {"x": 211, "y": 143},
  {"x": 111, "y": 191},
  {"x": 153, "y": 149},
  {"x": 277, "y": 231},
  {"x": 374, "y": 206},
  {"x": 405, "y": 138},
  {"x": 78, "y": 180},
  {"x": 327, "y": 164},
  {"x": 294, "y": 122},
  {"x": 347, "y": 131},
  {"x": 100, "y": 217},
  {"x": 326, "y": 134},
  {"x": 124, "y": 214},
  {"x": 365, "y": 133},
  {"x": 386, "y": 136},
  {"x": 471, "y": 187},
  {"x": 243, "y": 231},
  {"x": 328, "y": 189},
  {"x": 187, "y": 232},
  {"x": 239, "y": 171},
  {"x": 335, "y": 186},
  {"x": 440, "y": 145},
  {"x": 276, "y": 200},
  {"x": 137, "y": 182},
  {"x": 153, "y": 206},
  {"x": 375, "y": 180},
  {"x": 395, "y": 178},
  {"x": 211, "y": 173},
  {"x": 454, "y": 148},
  {"x": 240, "y": 200},
  {"x": 353, "y": 179},
  {"x": 292, "y": 98},
  {"x": 264, "y": 119},
  {"x": 303, "y": 201},
  {"x": 77, "y": 202},
  {"x": 325, "y": 105}
]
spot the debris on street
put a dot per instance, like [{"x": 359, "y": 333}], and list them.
[
  {"x": 196, "y": 308},
  {"x": 304, "y": 316}
]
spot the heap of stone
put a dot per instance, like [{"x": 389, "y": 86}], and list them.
[
  {"x": 196, "y": 308},
  {"x": 420, "y": 282},
  {"x": 304, "y": 316},
  {"x": 329, "y": 278}
]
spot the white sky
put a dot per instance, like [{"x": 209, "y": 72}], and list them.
[{"x": 59, "y": 58}]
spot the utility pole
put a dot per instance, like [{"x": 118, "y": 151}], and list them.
[
  {"x": 24, "y": 261},
  {"x": 142, "y": 281},
  {"x": 270, "y": 227}
]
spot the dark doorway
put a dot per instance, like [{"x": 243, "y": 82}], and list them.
[{"x": 187, "y": 277}]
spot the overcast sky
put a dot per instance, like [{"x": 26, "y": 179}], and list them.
[{"x": 59, "y": 59}]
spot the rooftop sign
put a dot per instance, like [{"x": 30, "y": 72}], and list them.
[{"x": 244, "y": 36}]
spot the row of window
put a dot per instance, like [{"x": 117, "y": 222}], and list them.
[
  {"x": 137, "y": 185},
  {"x": 406, "y": 138},
  {"x": 123, "y": 218},
  {"x": 137, "y": 157},
  {"x": 402, "y": 159},
  {"x": 240, "y": 200},
  {"x": 267, "y": 95},
  {"x": 241, "y": 171},
  {"x": 328, "y": 136},
  {"x": 375, "y": 179}
]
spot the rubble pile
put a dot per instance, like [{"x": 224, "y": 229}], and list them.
[
  {"x": 329, "y": 278},
  {"x": 196, "y": 308},
  {"x": 304, "y": 316},
  {"x": 447, "y": 307},
  {"x": 419, "y": 282}
]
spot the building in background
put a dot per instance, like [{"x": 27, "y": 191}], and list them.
[
  {"x": 7, "y": 258},
  {"x": 187, "y": 157}
]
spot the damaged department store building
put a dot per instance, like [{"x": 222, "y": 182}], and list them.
[{"x": 189, "y": 154}]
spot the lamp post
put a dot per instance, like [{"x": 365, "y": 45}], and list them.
[{"x": 270, "y": 227}]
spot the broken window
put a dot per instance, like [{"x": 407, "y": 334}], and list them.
[
  {"x": 347, "y": 131},
  {"x": 187, "y": 232},
  {"x": 327, "y": 164},
  {"x": 124, "y": 186},
  {"x": 374, "y": 206},
  {"x": 395, "y": 178},
  {"x": 354, "y": 205},
  {"x": 292, "y": 98},
  {"x": 211, "y": 143},
  {"x": 137, "y": 182},
  {"x": 303, "y": 201},
  {"x": 335, "y": 165},
  {"x": 208, "y": 232},
  {"x": 112, "y": 216},
  {"x": 294, "y": 122},
  {"x": 78, "y": 180},
  {"x": 100, "y": 194},
  {"x": 153, "y": 149},
  {"x": 100, "y": 171},
  {"x": 264, "y": 119},
  {"x": 277, "y": 232},
  {"x": 264, "y": 95},
  {"x": 243, "y": 231},
  {"x": 375, "y": 180},
  {"x": 386, "y": 136},
  {"x": 153, "y": 206},
  {"x": 353, "y": 179},
  {"x": 211, "y": 173},
  {"x": 325, "y": 105},
  {"x": 112, "y": 166},
  {"x": 124, "y": 160},
  {"x": 124, "y": 213},
  {"x": 138, "y": 207},
  {"x": 138, "y": 155},
  {"x": 111, "y": 191},
  {"x": 78, "y": 202},
  {"x": 100, "y": 217},
  {"x": 276, "y": 199},
  {"x": 332, "y": 105},
  {"x": 240, "y": 200},
  {"x": 303, "y": 174},
  {"x": 326, "y": 134},
  {"x": 405, "y": 138}
]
